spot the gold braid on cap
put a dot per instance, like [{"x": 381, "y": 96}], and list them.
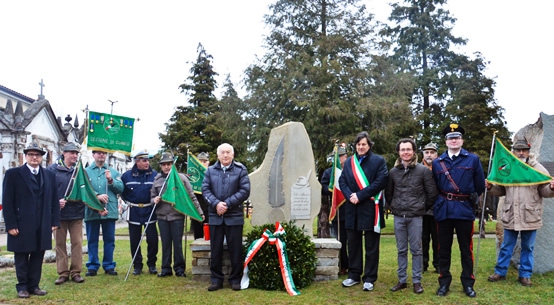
[{"x": 453, "y": 127}]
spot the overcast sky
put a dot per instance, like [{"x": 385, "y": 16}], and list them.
[{"x": 138, "y": 52}]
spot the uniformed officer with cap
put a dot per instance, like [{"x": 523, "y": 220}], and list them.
[
  {"x": 138, "y": 182},
  {"x": 31, "y": 213},
  {"x": 429, "y": 235},
  {"x": 459, "y": 177},
  {"x": 196, "y": 225}
]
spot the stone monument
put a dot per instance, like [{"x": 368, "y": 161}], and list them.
[
  {"x": 541, "y": 137},
  {"x": 285, "y": 186}
]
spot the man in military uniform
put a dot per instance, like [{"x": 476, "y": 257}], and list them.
[
  {"x": 138, "y": 182},
  {"x": 460, "y": 178}
]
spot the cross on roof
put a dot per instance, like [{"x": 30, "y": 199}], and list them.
[{"x": 42, "y": 85}]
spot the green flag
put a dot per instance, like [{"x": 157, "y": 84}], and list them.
[
  {"x": 508, "y": 170},
  {"x": 176, "y": 194},
  {"x": 82, "y": 190},
  {"x": 110, "y": 133},
  {"x": 195, "y": 171}
]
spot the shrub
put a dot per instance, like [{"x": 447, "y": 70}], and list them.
[{"x": 264, "y": 269}]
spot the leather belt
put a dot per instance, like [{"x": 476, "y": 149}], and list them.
[
  {"x": 451, "y": 196},
  {"x": 139, "y": 205}
]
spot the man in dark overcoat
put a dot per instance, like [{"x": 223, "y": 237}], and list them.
[{"x": 31, "y": 213}]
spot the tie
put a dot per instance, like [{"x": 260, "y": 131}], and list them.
[{"x": 35, "y": 172}]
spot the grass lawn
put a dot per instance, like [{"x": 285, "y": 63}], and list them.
[{"x": 149, "y": 289}]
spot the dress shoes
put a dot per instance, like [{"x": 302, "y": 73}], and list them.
[
  {"x": 180, "y": 274},
  {"x": 443, "y": 291},
  {"x": 418, "y": 288},
  {"x": 38, "y": 291},
  {"x": 152, "y": 270},
  {"x": 215, "y": 286},
  {"x": 470, "y": 292},
  {"x": 137, "y": 271},
  {"x": 235, "y": 286},
  {"x": 165, "y": 273},
  {"x": 23, "y": 294},
  {"x": 90, "y": 272},
  {"x": 111, "y": 272},
  {"x": 496, "y": 277},
  {"x": 524, "y": 281},
  {"x": 61, "y": 280},
  {"x": 77, "y": 278},
  {"x": 399, "y": 286}
]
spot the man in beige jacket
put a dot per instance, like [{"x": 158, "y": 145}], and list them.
[{"x": 521, "y": 214}]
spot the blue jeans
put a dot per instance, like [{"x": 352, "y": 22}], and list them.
[
  {"x": 526, "y": 258},
  {"x": 108, "y": 236}
]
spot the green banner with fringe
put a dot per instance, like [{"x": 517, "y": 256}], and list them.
[{"x": 110, "y": 133}]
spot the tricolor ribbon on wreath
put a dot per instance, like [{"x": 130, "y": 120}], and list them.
[{"x": 274, "y": 239}]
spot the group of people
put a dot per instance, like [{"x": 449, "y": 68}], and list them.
[
  {"x": 431, "y": 201},
  {"x": 35, "y": 206}
]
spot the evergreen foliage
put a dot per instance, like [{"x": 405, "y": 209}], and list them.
[{"x": 264, "y": 269}]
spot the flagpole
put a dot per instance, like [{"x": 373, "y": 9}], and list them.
[
  {"x": 147, "y": 224},
  {"x": 483, "y": 206},
  {"x": 71, "y": 179},
  {"x": 186, "y": 233}
]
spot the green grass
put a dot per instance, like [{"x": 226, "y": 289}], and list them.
[{"x": 148, "y": 289}]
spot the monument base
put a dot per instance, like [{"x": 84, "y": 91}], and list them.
[{"x": 327, "y": 252}]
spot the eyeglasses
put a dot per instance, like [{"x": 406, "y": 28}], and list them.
[{"x": 34, "y": 155}]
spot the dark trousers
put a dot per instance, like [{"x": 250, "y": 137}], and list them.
[
  {"x": 135, "y": 234},
  {"x": 430, "y": 237},
  {"x": 171, "y": 233},
  {"x": 464, "y": 233},
  {"x": 233, "y": 234},
  {"x": 355, "y": 255},
  {"x": 198, "y": 228},
  {"x": 28, "y": 269},
  {"x": 342, "y": 237}
]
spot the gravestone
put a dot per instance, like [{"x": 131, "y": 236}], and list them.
[
  {"x": 541, "y": 137},
  {"x": 285, "y": 186}
]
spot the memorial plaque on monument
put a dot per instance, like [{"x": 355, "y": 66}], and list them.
[{"x": 285, "y": 186}]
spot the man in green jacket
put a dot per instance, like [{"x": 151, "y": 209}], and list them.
[{"x": 106, "y": 183}]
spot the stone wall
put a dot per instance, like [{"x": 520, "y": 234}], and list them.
[{"x": 327, "y": 251}]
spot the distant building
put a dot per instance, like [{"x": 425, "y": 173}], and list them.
[{"x": 23, "y": 120}]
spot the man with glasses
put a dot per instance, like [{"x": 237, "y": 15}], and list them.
[
  {"x": 107, "y": 185},
  {"x": 138, "y": 182},
  {"x": 460, "y": 178},
  {"x": 31, "y": 213},
  {"x": 410, "y": 191}
]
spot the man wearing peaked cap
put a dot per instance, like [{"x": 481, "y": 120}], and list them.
[
  {"x": 71, "y": 218},
  {"x": 31, "y": 212},
  {"x": 170, "y": 221},
  {"x": 521, "y": 216},
  {"x": 460, "y": 180},
  {"x": 136, "y": 193},
  {"x": 197, "y": 226},
  {"x": 430, "y": 235}
]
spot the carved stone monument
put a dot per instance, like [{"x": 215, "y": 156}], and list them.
[
  {"x": 541, "y": 137},
  {"x": 285, "y": 186}
]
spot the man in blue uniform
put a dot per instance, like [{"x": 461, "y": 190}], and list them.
[
  {"x": 138, "y": 182},
  {"x": 460, "y": 178}
]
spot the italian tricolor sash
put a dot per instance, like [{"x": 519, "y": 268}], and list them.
[{"x": 362, "y": 182}]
